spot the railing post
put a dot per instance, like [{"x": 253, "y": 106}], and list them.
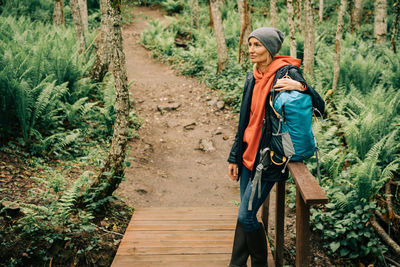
[
  {"x": 279, "y": 223},
  {"x": 302, "y": 231}
]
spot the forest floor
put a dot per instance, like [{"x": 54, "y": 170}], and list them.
[{"x": 179, "y": 157}]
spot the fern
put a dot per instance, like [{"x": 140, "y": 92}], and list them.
[{"x": 69, "y": 197}]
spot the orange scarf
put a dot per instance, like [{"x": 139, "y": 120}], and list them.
[{"x": 263, "y": 85}]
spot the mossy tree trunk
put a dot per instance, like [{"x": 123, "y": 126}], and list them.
[
  {"x": 380, "y": 21},
  {"x": 292, "y": 30},
  {"x": 338, "y": 40},
  {"x": 273, "y": 11},
  {"x": 211, "y": 23},
  {"x": 299, "y": 16},
  {"x": 395, "y": 26},
  {"x": 357, "y": 14},
  {"x": 245, "y": 28},
  {"x": 84, "y": 16},
  {"x": 308, "y": 37},
  {"x": 103, "y": 55},
  {"x": 321, "y": 11},
  {"x": 58, "y": 12},
  {"x": 113, "y": 170},
  {"x": 194, "y": 13},
  {"x": 219, "y": 33},
  {"x": 77, "y": 18}
]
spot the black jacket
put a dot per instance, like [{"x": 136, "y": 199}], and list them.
[{"x": 236, "y": 155}]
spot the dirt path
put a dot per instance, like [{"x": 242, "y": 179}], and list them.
[{"x": 168, "y": 168}]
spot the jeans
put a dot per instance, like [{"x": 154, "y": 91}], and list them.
[{"x": 248, "y": 218}]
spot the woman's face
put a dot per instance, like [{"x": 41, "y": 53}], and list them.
[{"x": 258, "y": 53}]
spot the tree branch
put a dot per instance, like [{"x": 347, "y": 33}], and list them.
[
  {"x": 389, "y": 203},
  {"x": 107, "y": 231},
  {"x": 392, "y": 261},
  {"x": 385, "y": 237}
]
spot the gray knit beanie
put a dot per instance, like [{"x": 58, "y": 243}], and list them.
[{"x": 271, "y": 38}]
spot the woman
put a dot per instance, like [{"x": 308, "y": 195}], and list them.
[{"x": 254, "y": 134}]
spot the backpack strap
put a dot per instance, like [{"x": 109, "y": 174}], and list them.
[{"x": 256, "y": 183}]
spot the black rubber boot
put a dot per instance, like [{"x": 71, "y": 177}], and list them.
[
  {"x": 240, "y": 252},
  {"x": 257, "y": 244}
]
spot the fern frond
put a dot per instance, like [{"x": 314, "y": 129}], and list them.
[{"x": 374, "y": 152}]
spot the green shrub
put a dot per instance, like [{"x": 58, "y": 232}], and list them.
[
  {"x": 345, "y": 232},
  {"x": 36, "y": 10},
  {"x": 45, "y": 97},
  {"x": 172, "y": 6}
]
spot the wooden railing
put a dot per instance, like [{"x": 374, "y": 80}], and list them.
[{"x": 308, "y": 193}]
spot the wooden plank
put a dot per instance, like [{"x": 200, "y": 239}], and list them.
[
  {"x": 186, "y": 217},
  {"x": 180, "y": 226},
  {"x": 309, "y": 188},
  {"x": 194, "y": 210},
  {"x": 176, "y": 243},
  {"x": 176, "y": 257},
  {"x": 180, "y": 222},
  {"x": 279, "y": 223},
  {"x": 179, "y": 235},
  {"x": 302, "y": 232},
  {"x": 138, "y": 250},
  {"x": 126, "y": 261}
]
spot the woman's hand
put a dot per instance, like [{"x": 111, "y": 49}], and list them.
[
  {"x": 288, "y": 84},
  {"x": 233, "y": 171}
]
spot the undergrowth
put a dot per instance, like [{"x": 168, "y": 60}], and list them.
[{"x": 56, "y": 125}]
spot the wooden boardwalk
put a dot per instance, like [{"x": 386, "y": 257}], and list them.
[{"x": 177, "y": 237}]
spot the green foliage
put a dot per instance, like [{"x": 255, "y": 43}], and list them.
[
  {"x": 345, "y": 232},
  {"x": 41, "y": 10},
  {"x": 172, "y": 6},
  {"x": 50, "y": 110},
  {"x": 66, "y": 223},
  {"x": 366, "y": 119},
  {"x": 45, "y": 97}
]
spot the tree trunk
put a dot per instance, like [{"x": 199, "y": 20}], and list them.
[
  {"x": 350, "y": 7},
  {"x": 113, "y": 170},
  {"x": 211, "y": 23},
  {"x": 292, "y": 30},
  {"x": 380, "y": 24},
  {"x": 299, "y": 17},
  {"x": 219, "y": 33},
  {"x": 395, "y": 26},
  {"x": 84, "y": 16},
  {"x": 245, "y": 28},
  {"x": 103, "y": 57},
  {"x": 357, "y": 13},
  {"x": 308, "y": 37},
  {"x": 194, "y": 13},
  {"x": 273, "y": 11},
  {"x": 77, "y": 18},
  {"x": 321, "y": 10},
  {"x": 58, "y": 14},
  {"x": 338, "y": 40}
]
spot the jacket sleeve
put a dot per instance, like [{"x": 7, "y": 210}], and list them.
[
  {"x": 317, "y": 101},
  {"x": 233, "y": 155}
]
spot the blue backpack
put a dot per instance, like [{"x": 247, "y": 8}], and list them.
[{"x": 291, "y": 122}]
